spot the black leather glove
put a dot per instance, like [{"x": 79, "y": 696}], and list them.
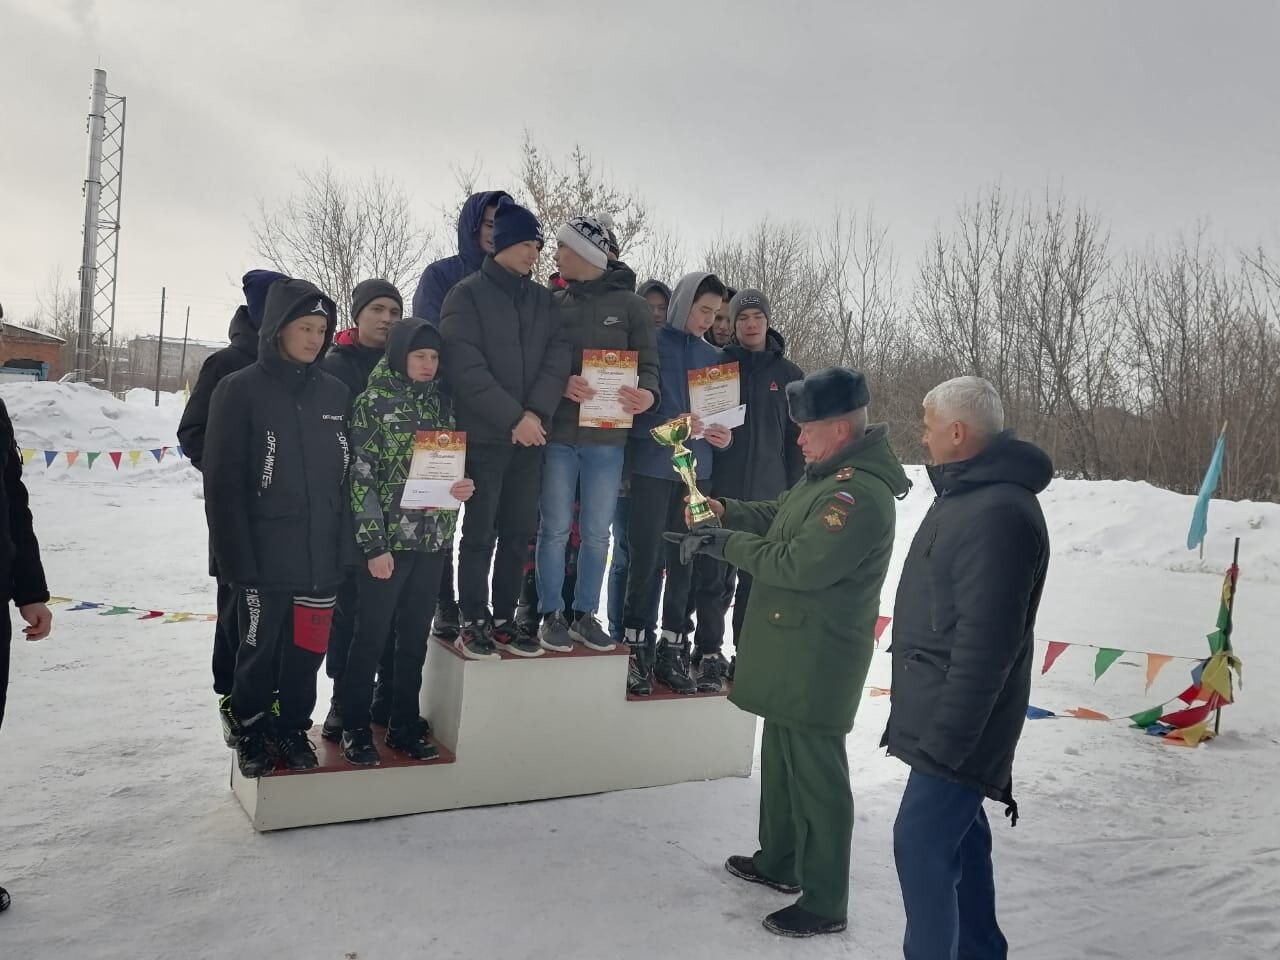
[{"x": 708, "y": 541}]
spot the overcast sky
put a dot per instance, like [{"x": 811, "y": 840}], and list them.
[{"x": 1156, "y": 112}]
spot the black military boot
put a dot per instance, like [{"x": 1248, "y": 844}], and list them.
[
  {"x": 713, "y": 673},
  {"x": 412, "y": 739},
  {"x": 796, "y": 921},
  {"x": 332, "y": 729},
  {"x": 253, "y": 753},
  {"x": 640, "y": 665},
  {"x": 671, "y": 665}
]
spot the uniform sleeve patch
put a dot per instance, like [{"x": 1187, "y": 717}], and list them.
[
  {"x": 846, "y": 496},
  {"x": 833, "y": 518}
]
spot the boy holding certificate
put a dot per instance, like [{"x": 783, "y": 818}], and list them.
[
  {"x": 404, "y": 528},
  {"x": 614, "y": 378}
]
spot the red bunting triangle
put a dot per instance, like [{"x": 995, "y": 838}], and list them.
[
  {"x": 115, "y": 457},
  {"x": 1191, "y": 694},
  {"x": 1052, "y": 654},
  {"x": 881, "y": 623},
  {"x": 152, "y": 615},
  {"x": 1189, "y": 717}
]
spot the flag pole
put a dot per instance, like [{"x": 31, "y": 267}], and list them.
[{"x": 1226, "y": 633}]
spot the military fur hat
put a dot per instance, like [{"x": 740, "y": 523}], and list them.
[{"x": 827, "y": 393}]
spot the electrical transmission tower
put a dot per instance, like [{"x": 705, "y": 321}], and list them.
[{"x": 95, "y": 342}]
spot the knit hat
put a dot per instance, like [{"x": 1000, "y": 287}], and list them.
[
  {"x": 588, "y": 238},
  {"x": 256, "y": 283},
  {"x": 749, "y": 300},
  {"x": 606, "y": 221},
  {"x": 827, "y": 393},
  {"x": 367, "y": 291},
  {"x": 514, "y": 224}
]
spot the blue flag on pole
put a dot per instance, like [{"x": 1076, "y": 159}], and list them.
[{"x": 1200, "y": 515}]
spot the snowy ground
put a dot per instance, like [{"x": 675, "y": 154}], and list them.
[{"x": 119, "y": 836}]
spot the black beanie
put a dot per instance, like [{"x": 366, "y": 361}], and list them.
[
  {"x": 368, "y": 291},
  {"x": 514, "y": 224},
  {"x": 425, "y": 337}
]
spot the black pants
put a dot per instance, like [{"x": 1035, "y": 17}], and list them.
[
  {"x": 344, "y": 627},
  {"x": 447, "y": 593},
  {"x": 407, "y": 600},
  {"x": 6, "y": 641},
  {"x": 657, "y": 506},
  {"x": 716, "y": 585},
  {"x": 272, "y": 662},
  {"x": 503, "y": 511},
  {"x": 226, "y": 639}
]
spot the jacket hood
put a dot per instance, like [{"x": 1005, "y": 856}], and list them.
[
  {"x": 1006, "y": 460},
  {"x": 651, "y": 285},
  {"x": 400, "y": 341},
  {"x": 285, "y": 301},
  {"x": 469, "y": 221},
  {"x": 682, "y": 300},
  {"x": 243, "y": 331},
  {"x": 617, "y": 276},
  {"x": 870, "y": 453}
]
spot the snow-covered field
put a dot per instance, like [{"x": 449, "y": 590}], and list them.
[{"x": 119, "y": 837}]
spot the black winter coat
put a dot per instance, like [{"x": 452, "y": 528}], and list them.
[
  {"x": 351, "y": 363},
  {"x": 21, "y": 572},
  {"x": 276, "y": 465},
  {"x": 503, "y": 352},
  {"x": 763, "y": 459},
  {"x": 964, "y": 619},
  {"x": 218, "y": 365}
]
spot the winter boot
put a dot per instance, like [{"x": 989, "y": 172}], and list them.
[
  {"x": 796, "y": 921},
  {"x": 744, "y": 868},
  {"x": 358, "y": 748},
  {"x": 252, "y": 752},
  {"x": 640, "y": 666},
  {"x": 475, "y": 642},
  {"x": 295, "y": 750},
  {"x": 672, "y": 664},
  {"x": 412, "y": 739},
  {"x": 713, "y": 673},
  {"x": 553, "y": 635},
  {"x": 514, "y": 637},
  {"x": 332, "y": 729},
  {"x": 229, "y": 724},
  {"x": 445, "y": 625}
]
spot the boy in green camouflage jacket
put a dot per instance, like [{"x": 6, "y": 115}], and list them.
[{"x": 404, "y": 549}]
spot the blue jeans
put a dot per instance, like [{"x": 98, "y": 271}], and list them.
[
  {"x": 596, "y": 473},
  {"x": 618, "y": 575},
  {"x": 942, "y": 847}
]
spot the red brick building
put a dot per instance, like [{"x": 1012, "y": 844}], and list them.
[{"x": 31, "y": 350}]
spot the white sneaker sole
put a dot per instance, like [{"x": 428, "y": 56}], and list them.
[
  {"x": 552, "y": 648},
  {"x": 599, "y": 648},
  {"x": 471, "y": 655},
  {"x": 516, "y": 651}
]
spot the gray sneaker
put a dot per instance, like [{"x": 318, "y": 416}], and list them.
[
  {"x": 588, "y": 632},
  {"x": 553, "y": 635}
]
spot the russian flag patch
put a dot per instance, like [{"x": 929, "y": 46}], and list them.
[{"x": 845, "y": 496}]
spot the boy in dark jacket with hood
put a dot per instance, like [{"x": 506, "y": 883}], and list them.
[
  {"x": 506, "y": 363},
  {"x": 275, "y": 474},
  {"x": 403, "y": 548},
  {"x": 243, "y": 351},
  {"x": 657, "y": 493},
  {"x": 963, "y": 640},
  {"x": 598, "y": 311},
  {"x": 760, "y": 464}
]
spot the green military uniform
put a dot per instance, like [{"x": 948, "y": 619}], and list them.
[{"x": 818, "y": 557}]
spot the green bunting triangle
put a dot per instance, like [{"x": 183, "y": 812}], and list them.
[
  {"x": 1147, "y": 717},
  {"x": 93, "y": 455},
  {"x": 1106, "y": 657},
  {"x": 1217, "y": 641}
]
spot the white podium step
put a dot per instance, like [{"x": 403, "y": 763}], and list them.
[{"x": 513, "y": 730}]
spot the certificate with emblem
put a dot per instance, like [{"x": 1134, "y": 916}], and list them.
[
  {"x": 439, "y": 461},
  {"x": 714, "y": 390},
  {"x": 607, "y": 371}
]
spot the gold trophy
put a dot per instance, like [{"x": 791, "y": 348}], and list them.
[{"x": 673, "y": 434}]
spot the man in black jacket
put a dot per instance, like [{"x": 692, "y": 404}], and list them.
[
  {"x": 963, "y": 632},
  {"x": 275, "y": 474},
  {"x": 243, "y": 350},
  {"x": 506, "y": 363},
  {"x": 21, "y": 572},
  {"x": 763, "y": 461}
]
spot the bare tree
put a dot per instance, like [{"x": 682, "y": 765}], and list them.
[
  {"x": 57, "y": 312},
  {"x": 336, "y": 232},
  {"x": 660, "y": 256}
]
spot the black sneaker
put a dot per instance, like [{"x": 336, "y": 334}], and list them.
[
  {"x": 672, "y": 666},
  {"x": 332, "y": 729},
  {"x": 640, "y": 666},
  {"x": 412, "y": 739},
  {"x": 229, "y": 724},
  {"x": 295, "y": 750},
  {"x": 445, "y": 625},
  {"x": 553, "y": 635},
  {"x": 796, "y": 921},
  {"x": 252, "y": 753},
  {"x": 475, "y": 642},
  {"x": 744, "y": 868},
  {"x": 511, "y": 637},
  {"x": 586, "y": 629},
  {"x": 358, "y": 748},
  {"x": 713, "y": 673}
]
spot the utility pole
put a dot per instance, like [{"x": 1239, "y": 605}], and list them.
[
  {"x": 182, "y": 364},
  {"x": 160, "y": 348}
]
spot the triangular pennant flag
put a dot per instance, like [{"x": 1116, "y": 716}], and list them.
[
  {"x": 182, "y": 451},
  {"x": 178, "y": 617},
  {"x": 49, "y": 457},
  {"x": 1084, "y": 713},
  {"x": 1106, "y": 657},
  {"x": 1155, "y": 663},
  {"x": 880, "y": 691},
  {"x": 27, "y": 455},
  {"x": 1052, "y": 654},
  {"x": 93, "y": 455},
  {"x": 115, "y": 456},
  {"x": 1197, "y": 672},
  {"x": 84, "y": 605},
  {"x": 1147, "y": 717},
  {"x": 1039, "y": 713},
  {"x": 158, "y": 453},
  {"x": 1191, "y": 694},
  {"x": 1188, "y": 717},
  {"x": 210, "y": 618},
  {"x": 134, "y": 457},
  {"x": 72, "y": 457},
  {"x": 115, "y": 611},
  {"x": 881, "y": 623},
  {"x": 1191, "y": 736},
  {"x": 152, "y": 615},
  {"x": 1217, "y": 641},
  {"x": 1217, "y": 677},
  {"x": 53, "y": 601}
]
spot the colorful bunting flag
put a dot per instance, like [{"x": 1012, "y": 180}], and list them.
[
  {"x": 49, "y": 457},
  {"x": 152, "y": 615},
  {"x": 1155, "y": 663},
  {"x": 1200, "y": 513},
  {"x": 1106, "y": 657},
  {"x": 26, "y": 456},
  {"x": 72, "y": 457},
  {"x": 1083, "y": 713},
  {"x": 134, "y": 457},
  {"x": 178, "y": 617},
  {"x": 158, "y": 453},
  {"x": 115, "y": 611},
  {"x": 880, "y": 691},
  {"x": 1191, "y": 736},
  {"x": 1216, "y": 677},
  {"x": 1052, "y": 654},
  {"x": 1190, "y": 716},
  {"x": 84, "y": 605},
  {"x": 1147, "y": 717},
  {"x": 1039, "y": 713},
  {"x": 93, "y": 455},
  {"x": 115, "y": 456}
]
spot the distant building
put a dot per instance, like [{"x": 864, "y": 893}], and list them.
[
  {"x": 29, "y": 354},
  {"x": 176, "y": 371}
]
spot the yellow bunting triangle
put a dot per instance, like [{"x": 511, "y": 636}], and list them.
[
  {"x": 1217, "y": 674},
  {"x": 27, "y": 455},
  {"x": 57, "y": 600},
  {"x": 135, "y": 456},
  {"x": 1191, "y": 736},
  {"x": 1155, "y": 663}
]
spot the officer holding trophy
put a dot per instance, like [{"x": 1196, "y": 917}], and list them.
[{"x": 818, "y": 555}]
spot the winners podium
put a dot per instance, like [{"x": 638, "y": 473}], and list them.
[{"x": 517, "y": 729}]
